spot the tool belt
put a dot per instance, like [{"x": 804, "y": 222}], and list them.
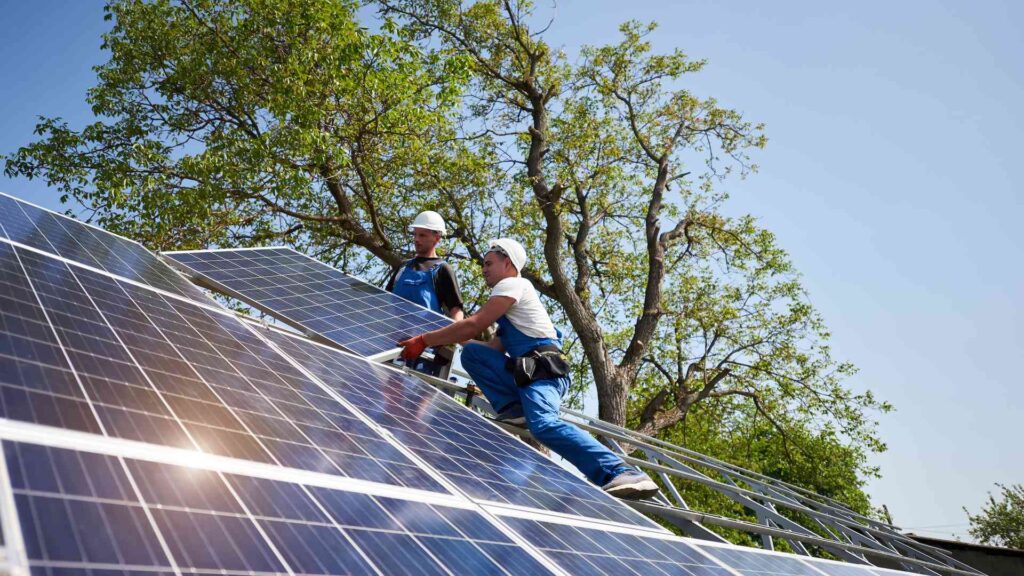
[{"x": 541, "y": 363}]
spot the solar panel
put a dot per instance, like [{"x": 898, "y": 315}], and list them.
[
  {"x": 311, "y": 295},
  {"x": 82, "y": 512},
  {"x": 751, "y": 563},
  {"x": 84, "y": 351},
  {"x": 589, "y": 550},
  {"x": 147, "y": 431},
  {"x": 837, "y": 569},
  {"x": 68, "y": 238},
  {"x": 483, "y": 460}
]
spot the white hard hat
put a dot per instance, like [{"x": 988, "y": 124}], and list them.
[
  {"x": 514, "y": 250},
  {"x": 429, "y": 220}
]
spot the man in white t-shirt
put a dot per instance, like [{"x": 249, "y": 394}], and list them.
[{"x": 531, "y": 392}]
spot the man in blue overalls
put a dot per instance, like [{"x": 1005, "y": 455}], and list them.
[
  {"x": 531, "y": 392},
  {"x": 426, "y": 279}
]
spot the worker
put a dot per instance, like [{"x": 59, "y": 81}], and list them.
[
  {"x": 531, "y": 392},
  {"x": 427, "y": 279}
]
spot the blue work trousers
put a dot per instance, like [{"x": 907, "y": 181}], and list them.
[{"x": 540, "y": 403}]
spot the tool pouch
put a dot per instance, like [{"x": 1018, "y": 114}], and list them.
[
  {"x": 542, "y": 363},
  {"x": 524, "y": 370}
]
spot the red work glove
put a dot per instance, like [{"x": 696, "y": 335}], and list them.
[{"x": 412, "y": 348}]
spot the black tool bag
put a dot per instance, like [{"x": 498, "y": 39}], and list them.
[{"x": 541, "y": 363}]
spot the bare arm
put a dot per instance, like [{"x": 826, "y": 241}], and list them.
[
  {"x": 456, "y": 313},
  {"x": 467, "y": 328}
]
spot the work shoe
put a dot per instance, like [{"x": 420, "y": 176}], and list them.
[
  {"x": 631, "y": 485},
  {"x": 513, "y": 416}
]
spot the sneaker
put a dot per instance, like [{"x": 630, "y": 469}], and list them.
[
  {"x": 513, "y": 416},
  {"x": 631, "y": 485}
]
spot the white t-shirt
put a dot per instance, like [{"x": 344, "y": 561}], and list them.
[{"x": 527, "y": 313}]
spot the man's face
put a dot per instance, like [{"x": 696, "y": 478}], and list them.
[
  {"x": 496, "y": 268},
  {"x": 425, "y": 240}
]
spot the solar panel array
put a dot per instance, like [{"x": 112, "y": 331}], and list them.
[
  {"x": 308, "y": 294},
  {"x": 83, "y": 512},
  {"x": 484, "y": 461},
  {"x": 49, "y": 232},
  {"x": 146, "y": 430},
  {"x": 131, "y": 363}
]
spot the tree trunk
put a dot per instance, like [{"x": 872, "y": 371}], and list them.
[{"x": 612, "y": 397}]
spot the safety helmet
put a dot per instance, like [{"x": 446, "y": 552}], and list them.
[
  {"x": 514, "y": 250},
  {"x": 429, "y": 220}
]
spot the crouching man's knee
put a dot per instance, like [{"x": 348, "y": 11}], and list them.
[{"x": 544, "y": 426}]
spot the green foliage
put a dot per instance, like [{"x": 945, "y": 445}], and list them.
[
  {"x": 1001, "y": 522},
  {"x": 249, "y": 122},
  {"x": 243, "y": 122}
]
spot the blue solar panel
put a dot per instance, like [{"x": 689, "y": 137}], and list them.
[
  {"x": 56, "y": 234},
  {"x": 837, "y": 569},
  {"x": 85, "y": 513},
  {"x": 595, "y": 551},
  {"x": 110, "y": 357},
  {"x": 308, "y": 294},
  {"x": 752, "y": 563},
  {"x": 487, "y": 463},
  {"x": 94, "y": 352}
]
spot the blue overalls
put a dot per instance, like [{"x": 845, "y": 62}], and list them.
[
  {"x": 418, "y": 286},
  {"x": 539, "y": 403}
]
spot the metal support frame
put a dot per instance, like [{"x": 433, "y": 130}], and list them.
[{"x": 804, "y": 520}]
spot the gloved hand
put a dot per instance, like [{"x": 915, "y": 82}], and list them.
[{"x": 412, "y": 348}]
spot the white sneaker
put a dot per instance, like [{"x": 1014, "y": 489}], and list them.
[{"x": 631, "y": 485}]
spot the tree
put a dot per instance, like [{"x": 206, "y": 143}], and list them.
[
  {"x": 613, "y": 171},
  {"x": 241, "y": 122},
  {"x": 1001, "y": 522}
]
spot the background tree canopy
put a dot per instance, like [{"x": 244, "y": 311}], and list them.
[
  {"x": 249, "y": 122},
  {"x": 1001, "y": 522}
]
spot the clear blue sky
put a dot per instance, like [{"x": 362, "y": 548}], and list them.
[{"x": 891, "y": 176}]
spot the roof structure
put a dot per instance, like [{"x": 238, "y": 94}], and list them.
[{"x": 146, "y": 429}]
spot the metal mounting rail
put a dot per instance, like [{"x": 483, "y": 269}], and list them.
[{"x": 802, "y": 518}]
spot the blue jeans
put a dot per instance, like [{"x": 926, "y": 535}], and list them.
[{"x": 540, "y": 402}]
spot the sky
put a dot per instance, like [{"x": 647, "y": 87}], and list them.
[{"x": 891, "y": 177}]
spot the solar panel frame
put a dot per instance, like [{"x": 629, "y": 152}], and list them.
[{"x": 327, "y": 303}]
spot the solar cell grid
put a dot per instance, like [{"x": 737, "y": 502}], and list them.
[
  {"x": 304, "y": 292},
  {"x": 836, "y": 569},
  {"x": 160, "y": 370},
  {"x": 88, "y": 512},
  {"x": 752, "y": 563},
  {"x": 593, "y": 551},
  {"x": 89, "y": 352},
  {"x": 484, "y": 461},
  {"x": 50, "y": 232}
]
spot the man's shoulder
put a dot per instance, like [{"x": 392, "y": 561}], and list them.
[
  {"x": 516, "y": 286},
  {"x": 426, "y": 263},
  {"x": 514, "y": 281}
]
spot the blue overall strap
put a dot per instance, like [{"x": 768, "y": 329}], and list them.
[
  {"x": 518, "y": 344},
  {"x": 418, "y": 286}
]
